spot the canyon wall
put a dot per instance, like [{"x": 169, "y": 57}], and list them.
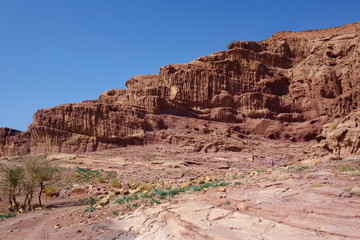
[{"x": 285, "y": 87}]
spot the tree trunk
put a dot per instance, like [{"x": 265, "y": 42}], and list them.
[
  {"x": 40, "y": 193},
  {"x": 29, "y": 200},
  {"x": 10, "y": 202},
  {"x": 15, "y": 202}
]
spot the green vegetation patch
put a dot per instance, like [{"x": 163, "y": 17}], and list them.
[
  {"x": 8, "y": 215},
  {"x": 161, "y": 194},
  {"x": 346, "y": 167},
  {"x": 88, "y": 175}
]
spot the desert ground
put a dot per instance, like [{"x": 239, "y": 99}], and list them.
[{"x": 272, "y": 190}]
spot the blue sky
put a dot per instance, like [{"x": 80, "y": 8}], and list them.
[{"x": 56, "y": 52}]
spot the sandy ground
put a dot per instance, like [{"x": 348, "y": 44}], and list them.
[{"x": 270, "y": 194}]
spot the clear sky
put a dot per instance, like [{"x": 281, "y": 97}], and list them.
[{"x": 60, "y": 51}]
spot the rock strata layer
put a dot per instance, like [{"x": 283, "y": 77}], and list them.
[{"x": 285, "y": 87}]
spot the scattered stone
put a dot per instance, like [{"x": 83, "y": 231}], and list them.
[
  {"x": 345, "y": 194},
  {"x": 227, "y": 166},
  {"x": 241, "y": 207},
  {"x": 186, "y": 184}
]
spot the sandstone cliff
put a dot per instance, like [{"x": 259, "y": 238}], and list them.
[{"x": 286, "y": 87}]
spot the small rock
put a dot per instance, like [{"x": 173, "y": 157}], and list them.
[
  {"x": 241, "y": 207},
  {"x": 186, "y": 184},
  {"x": 224, "y": 167},
  {"x": 222, "y": 189},
  {"x": 345, "y": 194},
  {"x": 57, "y": 226},
  {"x": 132, "y": 191},
  {"x": 124, "y": 191}
]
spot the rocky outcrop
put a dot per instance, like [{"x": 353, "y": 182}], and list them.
[
  {"x": 342, "y": 136},
  {"x": 14, "y": 142},
  {"x": 285, "y": 87}
]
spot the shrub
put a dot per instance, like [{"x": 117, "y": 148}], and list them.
[
  {"x": 154, "y": 201},
  {"x": 135, "y": 205},
  {"x": 115, "y": 183},
  {"x": 13, "y": 179},
  {"x": 50, "y": 191},
  {"x": 231, "y": 44},
  {"x": 101, "y": 179},
  {"x": 333, "y": 125},
  {"x": 8, "y": 215},
  {"x": 355, "y": 191},
  {"x": 90, "y": 209},
  {"x": 346, "y": 167}
]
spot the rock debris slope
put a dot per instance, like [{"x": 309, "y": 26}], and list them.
[{"x": 285, "y": 87}]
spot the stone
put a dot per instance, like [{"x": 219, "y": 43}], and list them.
[
  {"x": 57, "y": 226},
  {"x": 186, "y": 184},
  {"x": 241, "y": 207},
  {"x": 342, "y": 136}
]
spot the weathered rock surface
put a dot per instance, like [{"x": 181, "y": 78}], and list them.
[
  {"x": 280, "y": 210},
  {"x": 14, "y": 142},
  {"x": 286, "y": 87},
  {"x": 342, "y": 136}
]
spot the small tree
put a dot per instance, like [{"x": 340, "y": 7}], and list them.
[
  {"x": 27, "y": 179},
  {"x": 43, "y": 176},
  {"x": 13, "y": 179},
  {"x": 28, "y": 185},
  {"x": 39, "y": 174}
]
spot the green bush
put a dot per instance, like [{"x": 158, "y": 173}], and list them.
[
  {"x": 115, "y": 183},
  {"x": 8, "y": 215},
  {"x": 50, "y": 191}
]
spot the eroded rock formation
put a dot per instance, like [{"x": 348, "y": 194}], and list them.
[
  {"x": 14, "y": 142},
  {"x": 341, "y": 136},
  {"x": 286, "y": 87}
]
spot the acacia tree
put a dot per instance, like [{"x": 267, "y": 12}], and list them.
[
  {"x": 40, "y": 175},
  {"x": 29, "y": 178},
  {"x": 13, "y": 179},
  {"x": 28, "y": 185}
]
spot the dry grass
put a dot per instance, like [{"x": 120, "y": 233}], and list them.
[
  {"x": 115, "y": 183},
  {"x": 316, "y": 184},
  {"x": 346, "y": 167},
  {"x": 50, "y": 191},
  {"x": 354, "y": 173},
  {"x": 355, "y": 191},
  {"x": 333, "y": 125}
]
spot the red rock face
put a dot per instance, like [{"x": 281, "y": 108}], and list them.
[
  {"x": 286, "y": 87},
  {"x": 14, "y": 142}
]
